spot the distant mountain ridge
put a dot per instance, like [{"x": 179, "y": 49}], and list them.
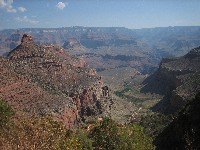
[{"x": 150, "y": 44}]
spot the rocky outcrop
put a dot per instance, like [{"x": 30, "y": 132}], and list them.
[
  {"x": 71, "y": 43},
  {"x": 26, "y": 39},
  {"x": 46, "y": 80},
  {"x": 178, "y": 79}
]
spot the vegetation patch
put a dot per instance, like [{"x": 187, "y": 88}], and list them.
[
  {"x": 44, "y": 133},
  {"x": 127, "y": 88}
]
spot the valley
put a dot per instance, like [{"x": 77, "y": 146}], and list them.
[{"x": 80, "y": 75}]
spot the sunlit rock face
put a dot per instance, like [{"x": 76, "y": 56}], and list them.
[{"x": 45, "y": 80}]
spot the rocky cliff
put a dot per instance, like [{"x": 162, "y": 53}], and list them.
[
  {"x": 178, "y": 79},
  {"x": 45, "y": 80}
]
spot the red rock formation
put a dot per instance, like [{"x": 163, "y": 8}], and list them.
[{"x": 37, "y": 79}]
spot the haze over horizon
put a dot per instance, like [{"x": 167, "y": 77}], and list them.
[{"x": 133, "y": 14}]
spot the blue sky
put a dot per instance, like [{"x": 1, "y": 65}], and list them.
[{"x": 98, "y": 13}]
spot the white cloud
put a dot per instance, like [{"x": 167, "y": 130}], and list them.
[
  {"x": 7, "y": 5},
  {"x": 61, "y": 5},
  {"x": 21, "y": 9},
  {"x": 26, "y": 20}
]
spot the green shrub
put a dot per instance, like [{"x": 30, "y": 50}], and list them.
[
  {"x": 111, "y": 136},
  {"x": 5, "y": 113},
  {"x": 134, "y": 138},
  {"x": 76, "y": 140},
  {"x": 105, "y": 135}
]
